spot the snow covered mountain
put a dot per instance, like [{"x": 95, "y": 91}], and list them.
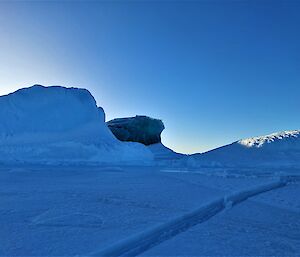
[
  {"x": 281, "y": 139},
  {"x": 58, "y": 124},
  {"x": 278, "y": 149}
]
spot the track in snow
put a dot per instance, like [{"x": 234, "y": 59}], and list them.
[{"x": 147, "y": 239}]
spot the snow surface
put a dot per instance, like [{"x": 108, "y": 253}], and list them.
[
  {"x": 59, "y": 125},
  {"x": 142, "y": 241},
  {"x": 252, "y": 228},
  {"x": 69, "y": 211}
]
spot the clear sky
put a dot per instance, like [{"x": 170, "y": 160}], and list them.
[{"x": 214, "y": 71}]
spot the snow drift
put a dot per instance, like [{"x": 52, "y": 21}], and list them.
[
  {"x": 163, "y": 153},
  {"x": 57, "y": 124},
  {"x": 280, "y": 149}
]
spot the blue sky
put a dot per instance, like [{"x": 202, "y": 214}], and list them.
[{"x": 213, "y": 71}]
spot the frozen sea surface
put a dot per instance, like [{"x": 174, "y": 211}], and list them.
[
  {"x": 68, "y": 211},
  {"x": 266, "y": 225}
]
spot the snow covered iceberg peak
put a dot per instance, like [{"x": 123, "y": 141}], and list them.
[
  {"x": 262, "y": 140},
  {"x": 44, "y": 112},
  {"x": 55, "y": 123}
]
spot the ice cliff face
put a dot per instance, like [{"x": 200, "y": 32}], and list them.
[
  {"x": 147, "y": 131},
  {"x": 280, "y": 149},
  {"x": 51, "y": 124},
  {"x": 140, "y": 129}
]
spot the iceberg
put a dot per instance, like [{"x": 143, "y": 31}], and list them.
[{"x": 58, "y": 124}]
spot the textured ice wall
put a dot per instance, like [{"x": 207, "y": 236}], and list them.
[{"x": 140, "y": 129}]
